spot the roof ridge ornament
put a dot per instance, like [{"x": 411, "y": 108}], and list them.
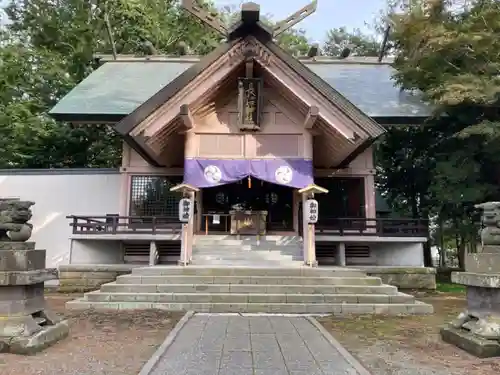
[
  {"x": 211, "y": 19},
  {"x": 295, "y": 18},
  {"x": 250, "y": 15}
]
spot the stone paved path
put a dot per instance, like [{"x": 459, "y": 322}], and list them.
[{"x": 255, "y": 345}]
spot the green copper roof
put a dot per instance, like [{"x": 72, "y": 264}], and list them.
[{"x": 118, "y": 88}]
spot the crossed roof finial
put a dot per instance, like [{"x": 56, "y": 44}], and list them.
[{"x": 250, "y": 14}]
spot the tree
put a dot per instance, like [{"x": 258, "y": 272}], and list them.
[
  {"x": 361, "y": 44},
  {"x": 450, "y": 55},
  {"x": 47, "y": 48}
]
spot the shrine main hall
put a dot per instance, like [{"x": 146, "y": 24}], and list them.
[{"x": 248, "y": 133}]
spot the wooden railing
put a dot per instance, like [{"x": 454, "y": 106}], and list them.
[
  {"x": 114, "y": 224},
  {"x": 223, "y": 226},
  {"x": 373, "y": 227}
]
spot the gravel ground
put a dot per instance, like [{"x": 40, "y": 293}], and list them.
[
  {"x": 409, "y": 345},
  {"x": 98, "y": 344}
]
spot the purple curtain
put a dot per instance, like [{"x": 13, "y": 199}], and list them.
[{"x": 202, "y": 173}]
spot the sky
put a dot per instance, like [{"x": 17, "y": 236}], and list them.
[{"x": 330, "y": 13}]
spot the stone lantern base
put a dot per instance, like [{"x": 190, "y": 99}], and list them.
[
  {"x": 477, "y": 330},
  {"x": 26, "y": 326}
]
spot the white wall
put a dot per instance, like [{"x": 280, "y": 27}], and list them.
[
  {"x": 96, "y": 252},
  {"x": 403, "y": 254},
  {"x": 58, "y": 193},
  {"x": 398, "y": 254}
]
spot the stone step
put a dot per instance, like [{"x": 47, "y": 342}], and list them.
[
  {"x": 265, "y": 256},
  {"x": 248, "y": 238},
  {"x": 264, "y": 280},
  {"x": 248, "y": 288},
  {"x": 248, "y": 253},
  {"x": 238, "y": 243},
  {"x": 249, "y": 256},
  {"x": 247, "y": 263},
  {"x": 234, "y": 240},
  {"x": 245, "y": 248},
  {"x": 99, "y": 296},
  {"x": 246, "y": 271},
  {"x": 416, "y": 308}
]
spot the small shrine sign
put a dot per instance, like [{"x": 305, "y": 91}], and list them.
[
  {"x": 185, "y": 210},
  {"x": 249, "y": 103},
  {"x": 312, "y": 211}
]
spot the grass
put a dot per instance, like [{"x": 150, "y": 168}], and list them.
[{"x": 450, "y": 288}]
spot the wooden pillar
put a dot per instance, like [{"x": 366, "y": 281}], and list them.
[
  {"x": 153, "y": 254},
  {"x": 125, "y": 180},
  {"x": 295, "y": 205},
  {"x": 184, "y": 244},
  {"x": 370, "y": 209},
  {"x": 124, "y": 194},
  {"x": 187, "y": 233},
  {"x": 340, "y": 258},
  {"x": 191, "y": 225},
  {"x": 199, "y": 225},
  {"x": 309, "y": 236},
  {"x": 305, "y": 231}
]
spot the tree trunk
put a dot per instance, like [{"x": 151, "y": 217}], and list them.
[
  {"x": 428, "y": 254},
  {"x": 442, "y": 252},
  {"x": 461, "y": 250}
]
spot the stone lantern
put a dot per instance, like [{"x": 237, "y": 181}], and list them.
[
  {"x": 26, "y": 326},
  {"x": 477, "y": 330}
]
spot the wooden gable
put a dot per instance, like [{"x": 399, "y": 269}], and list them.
[{"x": 345, "y": 129}]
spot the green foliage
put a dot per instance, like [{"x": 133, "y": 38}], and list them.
[
  {"x": 451, "y": 55},
  {"x": 47, "y": 48},
  {"x": 339, "y": 38}
]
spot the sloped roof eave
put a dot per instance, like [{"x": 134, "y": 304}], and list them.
[
  {"x": 373, "y": 129},
  {"x": 364, "y": 121},
  {"x": 126, "y": 125}
]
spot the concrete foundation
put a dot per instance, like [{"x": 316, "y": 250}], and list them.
[
  {"x": 222, "y": 289},
  {"x": 89, "y": 277},
  {"x": 404, "y": 277},
  {"x": 26, "y": 326}
]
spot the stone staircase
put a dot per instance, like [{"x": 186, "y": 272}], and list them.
[
  {"x": 279, "y": 251},
  {"x": 256, "y": 289}
]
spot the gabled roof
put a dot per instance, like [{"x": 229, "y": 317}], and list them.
[
  {"x": 117, "y": 88},
  {"x": 239, "y": 43},
  {"x": 127, "y": 124}
]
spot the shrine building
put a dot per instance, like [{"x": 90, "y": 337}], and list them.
[{"x": 249, "y": 134}]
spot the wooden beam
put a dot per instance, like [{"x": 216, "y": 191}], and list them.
[
  {"x": 250, "y": 13},
  {"x": 187, "y": 118},
  {"x": 311, "y": 117},
  {"x": 295, "y": 18},
  {"x": 211, "y": 19},
  {"x": 249, "y": 68},
  {"x": 139, "y": 144}
]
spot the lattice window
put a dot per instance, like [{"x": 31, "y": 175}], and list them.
[
  {"x": 345, "y": 198},
  {"x": 151, "y": 196}
]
